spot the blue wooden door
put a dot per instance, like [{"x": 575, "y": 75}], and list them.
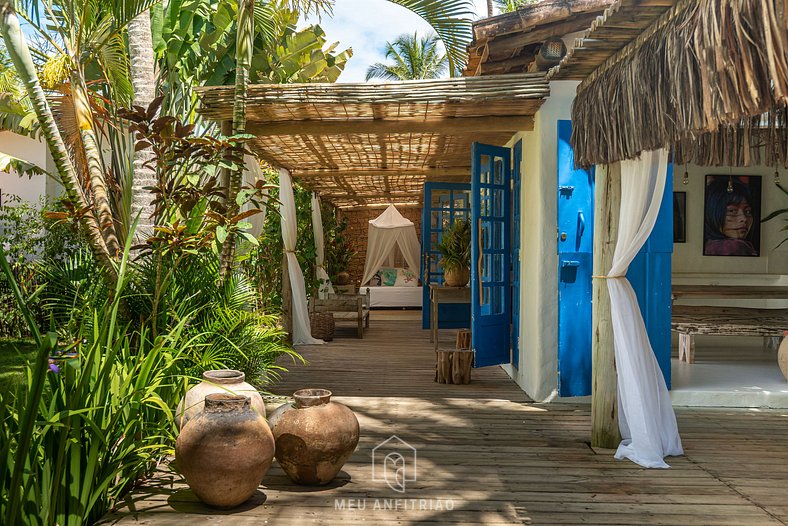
[
  {"x": 444, "y": 203},
  {"x": 650, "y": 275},
  {"x": 491, "y": 257},
  {"x": 517, "y": 157},
  {"x": 575, "y": 194}
]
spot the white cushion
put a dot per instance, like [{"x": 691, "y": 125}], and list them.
[{"x": 406, "y": 278}]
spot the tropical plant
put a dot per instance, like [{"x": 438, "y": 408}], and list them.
[
  {"x": 93, "y": 418},
  {"x": 413, "y": 58},
  {"x": 778, "y": 213},
  {"x": 455, "y": 246},
  {"x": 509, "y": 6}
]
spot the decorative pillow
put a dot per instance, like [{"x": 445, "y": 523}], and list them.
[
  {"x": 388, "y": 276},
  {"x": 375, "y": 280},
  {"x": 406, "y": 278}
]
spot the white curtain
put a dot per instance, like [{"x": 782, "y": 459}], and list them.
[
  {"x": 646, "y": 418},
  {"x": 386, "y": 232},
  {"x": 317, "y": 227},
  {"x": 252, "y": 174},
  {"x": 302, "y": 333}
]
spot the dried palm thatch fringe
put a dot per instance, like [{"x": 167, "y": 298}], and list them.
[{"x": 711, "y": 81}]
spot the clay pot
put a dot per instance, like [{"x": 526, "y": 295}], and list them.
[
  {"x": 782, "y": 355},
  {"x": 218, "y": 381},
  {"x": 314, "y": 437},
  {"x": 225, "y": 450},
  {"x": 343, "y": 278},
  {"x": 457, "y": 277}
]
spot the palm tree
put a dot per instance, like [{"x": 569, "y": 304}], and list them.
[{"x": 413, "y": 58}]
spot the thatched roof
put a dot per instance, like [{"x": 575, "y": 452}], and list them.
[
  {"x": 507, "y": 43},
  {"x": 708, "y": 77},
  {"x": 374, "y": 144}
]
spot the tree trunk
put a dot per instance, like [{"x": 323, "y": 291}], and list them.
[
  {"x": 604, "y": 400},
  {"x": 83, "y": 116},
  {"x": 489, "y": 7},
  {"x": 23, "y": 62},
  {"x": 244, "y": 45},
  {"x": 143, "y": 79}
]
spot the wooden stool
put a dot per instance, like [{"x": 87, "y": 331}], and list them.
[{"x": 453, "y": 366}]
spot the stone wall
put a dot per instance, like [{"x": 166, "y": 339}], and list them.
[{"x": 358, "y": 226}]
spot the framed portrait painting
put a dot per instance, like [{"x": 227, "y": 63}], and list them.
[
  {"x": 731, "y": 216},
  {"x": 679, "y": 217}
]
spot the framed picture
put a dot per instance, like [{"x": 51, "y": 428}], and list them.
[
  {"x": 679, "y": 217},
  {"x": 731, "y": 216}
]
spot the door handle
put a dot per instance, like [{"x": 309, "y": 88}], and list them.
[
  {"x": 581, "y": 224},
  {"x": 479, "y": 265}
]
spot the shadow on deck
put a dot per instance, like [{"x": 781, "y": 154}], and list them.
[{"x": 487, "y": 456}]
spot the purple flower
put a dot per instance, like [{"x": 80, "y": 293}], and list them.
[{"x": 54, "y": 368}]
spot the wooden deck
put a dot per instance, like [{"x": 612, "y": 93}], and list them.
[{"x": 492, "y": 457}]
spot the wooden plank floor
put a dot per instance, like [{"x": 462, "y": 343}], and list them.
[{"x": 491, "y": 456}]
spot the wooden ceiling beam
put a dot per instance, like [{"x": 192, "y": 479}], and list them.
[
  {"x": 390, "y": 172},
  {"x": 451, "y": 126}
]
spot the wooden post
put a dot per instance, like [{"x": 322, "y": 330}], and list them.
[{"x": 604, "y": 410}]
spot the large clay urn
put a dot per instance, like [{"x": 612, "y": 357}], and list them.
[
  {"x": 225, "y": 450},
  {"x": 314, "y": 437},
  {"x": 217, "y": 381},
  {"x": 457, "y": 277}
]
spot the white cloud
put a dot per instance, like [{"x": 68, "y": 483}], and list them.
[{"x": 366, "y": 26}]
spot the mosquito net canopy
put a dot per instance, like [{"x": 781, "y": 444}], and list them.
[{"x": 390, "y": 235}]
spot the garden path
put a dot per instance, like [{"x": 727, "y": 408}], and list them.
[{"x": 491, "y": 456}]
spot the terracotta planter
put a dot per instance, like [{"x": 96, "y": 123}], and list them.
[
  {"x": 225, "y": 450},
  {"x": 218, "y": 381},
  {"x": 314, "y": 437},
  {"x": 782, "y": 355},
  {"x": 343, "y": 278},
  {"x": 457, "y": 277}
]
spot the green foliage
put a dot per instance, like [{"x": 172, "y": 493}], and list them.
[
  {"x": 413, "y": 58},
  {"x": 93, "y": 417},
  {"x": 339, "y": 250},
  {"x": 455, "y": 246},
  {"x": 509, "y": 6},
  {"x": 14, "y": 355},
  {"x": 778, "y": 213}
]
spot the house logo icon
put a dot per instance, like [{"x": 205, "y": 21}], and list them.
[{"x": 394, "y": 462}]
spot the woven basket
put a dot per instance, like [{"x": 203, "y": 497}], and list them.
[{"x": 323, "y": 326}]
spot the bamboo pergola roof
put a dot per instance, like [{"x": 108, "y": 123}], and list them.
[
  {"x": 367, "y": 144},
  {"x": 508, "y": 43},
  {"x": 708, "y": 78}
]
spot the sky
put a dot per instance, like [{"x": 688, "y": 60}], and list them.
[{"x": 366, "y": 26}]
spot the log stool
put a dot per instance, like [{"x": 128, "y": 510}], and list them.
[{"x": 453, "y": 366}]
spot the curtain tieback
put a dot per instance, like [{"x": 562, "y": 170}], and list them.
[
  {"x": 607, "y": 277},
  {"x": 290, "y": 251}
]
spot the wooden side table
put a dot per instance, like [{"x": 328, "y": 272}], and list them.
[{"x": 440, "y": 294}]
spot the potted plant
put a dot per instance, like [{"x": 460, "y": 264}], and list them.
[
  {"x": 455, "y": 249},
  {"x": 339, "y": 253}
]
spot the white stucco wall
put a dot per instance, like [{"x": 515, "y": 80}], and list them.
[
  {"x": 33, "y": 151},
  {"x": 537, "y": 374}
]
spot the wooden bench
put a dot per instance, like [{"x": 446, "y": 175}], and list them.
[
  {"x": 345, "y": 307},
  {"x": 689, "y": 320}
]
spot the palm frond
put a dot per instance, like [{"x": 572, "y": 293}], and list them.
[{"x": 451, "y": 20}]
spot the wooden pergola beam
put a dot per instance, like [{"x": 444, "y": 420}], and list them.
[
  {"x": 450, "y": 126},
  {"x": 429, "y": 173}
]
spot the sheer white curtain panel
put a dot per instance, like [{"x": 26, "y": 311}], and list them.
[
  {"x": 320, "y": 249},
  {"x": 646, "y": 419}
]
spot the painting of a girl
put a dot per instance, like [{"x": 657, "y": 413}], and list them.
[{"x": 731, "y": 226}]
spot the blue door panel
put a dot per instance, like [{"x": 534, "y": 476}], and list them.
[
  {"x": 491, "y": 257},
  {"x": 574, "y": 293},
  {"x": 517, "y": 156},
  {"x": 649, "y": 273},
  {"x": 443, "y": 204},
  {"x": 575, "y": 197}
]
